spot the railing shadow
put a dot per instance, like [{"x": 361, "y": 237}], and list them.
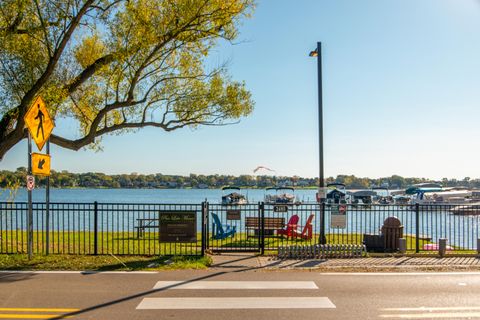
[
  {"x": 6, "y": 277},
  {"x": 148, "y": 292}
]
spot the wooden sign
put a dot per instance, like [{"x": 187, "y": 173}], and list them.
[
  {"x": 41, "y": 164},
  {"x": 233, "y": 214},
  {"x": 178, "y": 226},
  {"x": 38, "y": 122},
  {"x": 280, "y": 209}
]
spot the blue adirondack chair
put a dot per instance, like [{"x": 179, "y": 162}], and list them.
[{"x": 221, "y": 231}]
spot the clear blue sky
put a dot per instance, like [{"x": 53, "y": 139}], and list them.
[{"x": 401, "y": 96}]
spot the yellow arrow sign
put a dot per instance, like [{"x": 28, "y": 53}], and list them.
[
  {"x": 38, "y": 122},
  {"x": 41, "y": 164}
]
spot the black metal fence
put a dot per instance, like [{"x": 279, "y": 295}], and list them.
[
  {"x": 95, "y": 228},
  {"x": 134, "y": 229},
  {"x": 264, "y": 227}
]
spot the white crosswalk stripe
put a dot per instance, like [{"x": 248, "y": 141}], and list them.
[
  {"x": 432, "y": 313},
  {"x": 213, "y": 303},
  {"x": 445, "y": 315},
  {"x": 235, "y": 285},
  {"x": 237, "y": 303}
]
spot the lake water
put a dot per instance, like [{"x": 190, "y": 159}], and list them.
[{"x": 190, "y": 196}]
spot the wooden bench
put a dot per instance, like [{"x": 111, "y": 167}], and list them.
[
  {"x": 270, "y": 225},
  {"x": 146, "y": 223}
]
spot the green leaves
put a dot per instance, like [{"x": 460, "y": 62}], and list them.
[
  {"x": 118, "y": 65},
  {"x": 89, "y": 50}
]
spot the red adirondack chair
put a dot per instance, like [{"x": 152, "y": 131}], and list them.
[
  {"x": 307, "y": 231},
  {"x": 291, "y": 227}
]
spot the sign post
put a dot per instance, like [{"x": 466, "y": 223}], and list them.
[
  {"x": 40, "y": 126},
  {"x": 47, "y": 200},
  {"x": 30, "y": 210}
]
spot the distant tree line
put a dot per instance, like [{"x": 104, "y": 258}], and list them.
[{"x": 65, "y": 179}]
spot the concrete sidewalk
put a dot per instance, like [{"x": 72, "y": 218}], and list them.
[{"x": 252, "y": 261}]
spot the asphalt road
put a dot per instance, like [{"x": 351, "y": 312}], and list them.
[{"x": 239, "y": 295}]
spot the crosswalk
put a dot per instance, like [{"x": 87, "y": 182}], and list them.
[
  {"x": 235, "y": 285},
  {"x": 242, "y": 302},
  {"x": 431, "y": 313}
]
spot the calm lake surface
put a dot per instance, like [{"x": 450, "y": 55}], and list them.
[{"x": 191, "y": 196}]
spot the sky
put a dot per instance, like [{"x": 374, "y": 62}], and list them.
[{"x": 401, "y": 95}]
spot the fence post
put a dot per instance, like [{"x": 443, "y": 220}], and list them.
[
  {"x": 323, "y": 239},
  {"x": 204, "y": 209},
  {"x": 95, "y": 228},
  {"x": 207, "y": 226},
  {"x": 417, "y": 227},
  {"x": 262, "y": 228}
]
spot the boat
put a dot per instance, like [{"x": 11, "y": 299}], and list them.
[
  {"x": 280, "y": 195},
  {"x": 401, "y": 199},
  {"x": 337, "y": 193},
  {"x": 428, "y": 185},
  {"x": 363, "y": 197},
  {"x": 475, "y": 195},
  {"x": 232, "y": 196},
  {"x": 433, "y": 193},
  {"x": 472, "y": 209},
  {"x": 382, "y": 198},
  {"x": 413, "y": 190},
  {"x": 444, "y": 196}
]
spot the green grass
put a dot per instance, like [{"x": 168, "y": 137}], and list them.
[
  {"x": 119, "y": 243},
  {"x": 240, "y": 240},
  {"x": 127, "y": 243},
  {"x": 101, "y": 263}
]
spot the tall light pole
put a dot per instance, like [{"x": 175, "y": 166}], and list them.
[{"x": 321, "y": 178}]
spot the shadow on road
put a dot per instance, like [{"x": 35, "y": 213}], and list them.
[
  {"x": 12, "y": 277},
  {"x": 145, "y": 293}
]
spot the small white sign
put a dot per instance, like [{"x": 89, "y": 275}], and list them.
[
  {"x": 30, "y": 183},
  {"x": 339, "y": 216}
]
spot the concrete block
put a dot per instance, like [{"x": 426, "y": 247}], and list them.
[
  {"x": 442, "y": 246},
  {"x": 402, "y": 245}
]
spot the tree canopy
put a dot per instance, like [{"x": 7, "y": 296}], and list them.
[
  {"x": 65, "y": 179},
  {"x": 117, "y": 65}
]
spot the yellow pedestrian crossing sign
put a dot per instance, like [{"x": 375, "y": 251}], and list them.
[
  {"x": 38, "y": 122},
  {"x": 41, "y": 164}
]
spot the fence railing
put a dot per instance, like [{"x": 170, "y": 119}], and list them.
[
  {"x": 135, "y": 229},
  {"x": 94, "y": 228}
]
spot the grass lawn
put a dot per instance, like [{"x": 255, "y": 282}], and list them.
[
  {"x": 118, "y": 243},
  {"x": 240, "y": 240},
  {"x": 101, "y": 263},
  {"x": 128, "y": 243}
]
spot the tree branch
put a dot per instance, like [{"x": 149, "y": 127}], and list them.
[{"x": 88, "y": 72}]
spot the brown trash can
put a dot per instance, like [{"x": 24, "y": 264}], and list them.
[{"x": 392, "y": 230}]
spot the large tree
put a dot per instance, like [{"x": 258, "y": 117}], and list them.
[{"x": 116, "y": 65}]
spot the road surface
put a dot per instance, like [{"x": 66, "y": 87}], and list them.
[{"x": 239, "y": 295}]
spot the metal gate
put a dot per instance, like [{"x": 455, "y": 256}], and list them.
[
  {"x": 234, "y": 228},
  {"x": 260, "y": 227},
  {"x": 293, "y": 224}
]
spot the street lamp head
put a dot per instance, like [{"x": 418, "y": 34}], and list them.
[{"x": 313, "y": 53}]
